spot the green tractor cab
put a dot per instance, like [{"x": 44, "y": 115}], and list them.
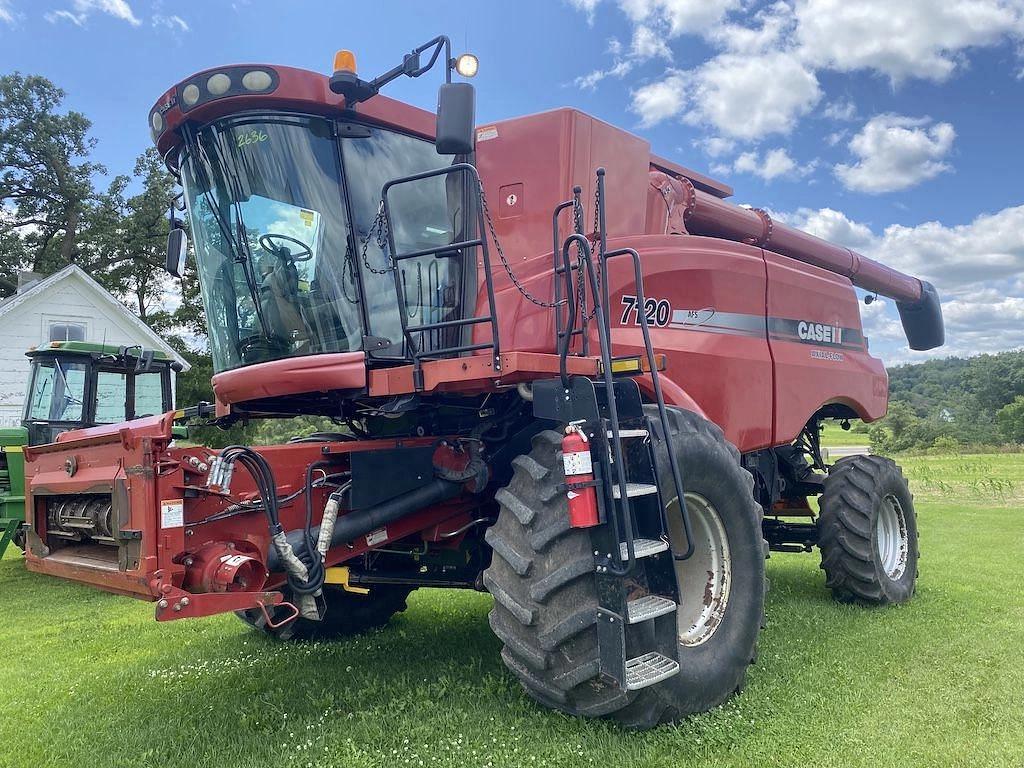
[{"x": 73, "y": 385}]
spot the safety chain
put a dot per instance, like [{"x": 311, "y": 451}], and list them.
[
  {"x": 380, "y": 228},
  {"x": 597, "y": 244},
  {"x": 504, "y": 261},
  {"x": 348, "y": 276}
]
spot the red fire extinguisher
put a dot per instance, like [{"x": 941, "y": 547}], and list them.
[{"x": 579, "y": 478}]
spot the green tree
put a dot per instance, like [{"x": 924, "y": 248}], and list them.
[
  {"x": 45, "y": 177},
  {"x": 1010, "y": 419},
  {"x": 126, "y": 239}
]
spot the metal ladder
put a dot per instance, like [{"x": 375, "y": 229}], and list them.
[{"x": 634, "y": 561}]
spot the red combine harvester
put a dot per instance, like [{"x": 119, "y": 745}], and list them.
[{"x": 598, "y": 398}]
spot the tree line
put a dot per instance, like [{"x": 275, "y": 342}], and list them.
[{"x": 955, "y": 402}]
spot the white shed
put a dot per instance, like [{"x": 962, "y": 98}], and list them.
[{"x": 66, "y": 306}]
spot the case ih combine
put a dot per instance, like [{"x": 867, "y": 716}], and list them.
[{"x": 525, "y": 389}]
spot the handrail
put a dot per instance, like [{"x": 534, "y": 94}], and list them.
[
  {"x": 604, "y": 338},
  {"x": 478, "y": 242},
  {"x": 603, "y": 255}
]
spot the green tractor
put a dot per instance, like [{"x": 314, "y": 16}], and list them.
[{"x": 77, "y": 384}]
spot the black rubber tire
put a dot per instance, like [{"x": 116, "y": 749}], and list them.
[
  {"x": 849, "y": 507},
  {"x": 542, "y": 580},
  {"x": 347, "y": 614}
]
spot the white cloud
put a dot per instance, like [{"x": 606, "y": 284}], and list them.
[
  {"x": 908, "y": 38},
  {"x": 678, "y": 17},
  {"x": 663, "y": 99},
  {"x": 989, "y": 248},
  {"x": 173, "y": 22},
  {"x": 772, "y": 26},
  {"x": 895, "y": 152},
  {"x": 82, "y": 9},
  {"x": 741, "y": 97},
  {"x": 834, "y": 226},
  {"x": 772, "y": 165},
  {"x": 646, "y": 45},
  {"x": 715, "y": 146},
  {"x": 6, "y": 14},
  {"x": 975, "y": 267},
  {"x": 771, "y": 58},
  {"x": 841, "y": 111},
  {"x": 649, "y": 44},
  {"x": 587, "y": 6}
]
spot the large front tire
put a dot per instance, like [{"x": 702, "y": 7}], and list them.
[
  {"x": 542, "y": 579},
  {"x": 867, "y": 532}
]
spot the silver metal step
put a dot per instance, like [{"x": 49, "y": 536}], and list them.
[
  {"x": 649, "y": 669},
  {"x": 634, "y": 489},
  {"x": 644, "y": 547},
  {"x": 648, "y": 607},
  {"x": 628, "y": 433}
]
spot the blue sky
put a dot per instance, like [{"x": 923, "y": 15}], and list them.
[{"x": 892, "y": 127}]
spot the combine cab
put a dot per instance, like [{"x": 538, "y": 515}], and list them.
[
  {"x": 74, "y": 385},
  {"x": 565, "y": 371}
]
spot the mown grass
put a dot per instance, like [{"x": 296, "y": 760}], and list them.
[
  {"x": 833, "y": 436},
  {"x": 91, "y": 680}
]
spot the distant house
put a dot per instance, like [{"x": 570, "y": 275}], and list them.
[{"x": 66, "y": 306}]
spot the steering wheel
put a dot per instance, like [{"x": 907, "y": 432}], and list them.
[{"x": 267, "y": 243}]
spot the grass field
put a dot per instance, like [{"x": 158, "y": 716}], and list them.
[
  {"x": 90, "y": 680},
  {"x": 833, "y": 435}
]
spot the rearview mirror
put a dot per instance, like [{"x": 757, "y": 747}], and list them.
[
  {"x": 456, "y": 113},
  {"x": 177, "y": 249}
]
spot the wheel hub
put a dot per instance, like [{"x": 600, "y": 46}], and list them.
[
  {"x": 705, "y": 578},
  {"x": 891, "y": 537}
]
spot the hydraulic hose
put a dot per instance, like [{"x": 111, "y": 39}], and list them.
[{"x": 360, "y": 522}]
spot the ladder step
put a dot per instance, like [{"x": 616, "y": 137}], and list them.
[
  {"x": 645, "y": 547},
  {"x": 648, "y": 607},
  {"x": 627, "y": 433},
  {"x": 649, "y": 669},
  {"x": 634, "y": 489}
]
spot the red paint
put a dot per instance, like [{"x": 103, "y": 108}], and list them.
[
  {"x": 743, "y": 330},
  {"x": 582, "y": 499},
  {"x": 291, "y": 376}
]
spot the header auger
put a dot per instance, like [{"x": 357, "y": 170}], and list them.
[{"x": 605, "y": 427}]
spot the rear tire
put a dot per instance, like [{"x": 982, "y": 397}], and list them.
[
  {"x": 867, "y": 532},
  {"x": 542, "y": 580},
  {"x": 348, "y": 613}
]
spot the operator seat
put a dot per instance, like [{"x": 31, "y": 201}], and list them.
[{"x": 281, "y": 301}]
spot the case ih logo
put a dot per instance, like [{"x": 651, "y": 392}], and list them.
[{"x": 826, "y": 334}]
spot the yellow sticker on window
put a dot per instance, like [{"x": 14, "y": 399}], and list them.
[{"x": 307, "y": 217}]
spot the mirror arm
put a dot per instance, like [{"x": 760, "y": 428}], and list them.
[{"x": 410, "y": 65}]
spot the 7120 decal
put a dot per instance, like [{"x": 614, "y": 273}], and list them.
[{"x": 657, "y": 311}]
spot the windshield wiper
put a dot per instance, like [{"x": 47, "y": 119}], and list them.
[{"x": 238, "y": 249}]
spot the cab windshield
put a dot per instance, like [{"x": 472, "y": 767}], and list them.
[
  {"x": 57, "y": 391},
  {"x": 289, "y": 260}
]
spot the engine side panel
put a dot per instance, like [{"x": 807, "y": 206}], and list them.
[
  {"x": 705, "y": 306},
  {"x": 818, "y": 344}
]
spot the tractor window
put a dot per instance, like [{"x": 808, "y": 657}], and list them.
[
  {"x": 425, "y": 214},
  {"x": 267, "y": 210},
  {"x": 111, "y": 397},
  {"x": 149, "y": 394},
  {"x": 57, "y": 392}
]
